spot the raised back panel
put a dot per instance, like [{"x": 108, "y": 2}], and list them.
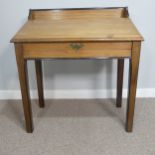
[{"x": 58, "y": 14}]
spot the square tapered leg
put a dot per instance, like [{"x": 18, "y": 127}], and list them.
[
  {"x": 133, "y": 74},
  {"x": 23, "y": 78},
  {"x": 39, "y": 76},
  {"x": 120, "y": 71}
]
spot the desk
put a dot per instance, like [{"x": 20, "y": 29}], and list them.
[{"x": 78, "y": 34}]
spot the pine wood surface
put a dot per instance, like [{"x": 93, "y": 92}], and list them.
[
  {"x": 78, "y": 33},
  {"x": 107, "y": 29},
  {"x": 87, "y": 50}
]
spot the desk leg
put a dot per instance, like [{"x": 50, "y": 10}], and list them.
[
  {"x": 133, "y": 73},
  {"x": 39, "y": 77},
  {"x": 22, "y": 70},
  {"x": 120, "y": 71}
]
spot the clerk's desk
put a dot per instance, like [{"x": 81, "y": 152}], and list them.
[{"x": 78, "y": 34}]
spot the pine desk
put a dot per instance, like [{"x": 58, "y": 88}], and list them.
[{"x": 78, "y": 34}]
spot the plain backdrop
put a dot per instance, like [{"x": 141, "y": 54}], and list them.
[{"x": 76, "y": 75}]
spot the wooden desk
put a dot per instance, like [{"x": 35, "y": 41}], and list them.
[{"x": 78, "y": 34}]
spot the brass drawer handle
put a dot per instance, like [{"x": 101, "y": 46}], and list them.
[{"x": 76, "y": 46}]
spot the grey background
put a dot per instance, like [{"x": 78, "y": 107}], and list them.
[{"x": 71, "y": 75}]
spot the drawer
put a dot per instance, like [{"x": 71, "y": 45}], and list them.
[{"x": 77, "y": 50}]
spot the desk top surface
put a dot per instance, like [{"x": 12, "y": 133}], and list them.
[{"x": 108, "y": 29}]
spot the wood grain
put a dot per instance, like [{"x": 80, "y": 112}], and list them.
[
  {"x": 39, "y": 77},
  {"x": 23, "y": 78},
  {"x": 89, "y": 50},
  {"x": 109, "y": 29},
  {"x": 59, "y": 14},
  {"x": 120, "y": 71},
  {"x": 78, "y": 33},
  {"x": 133, "y": 74}
]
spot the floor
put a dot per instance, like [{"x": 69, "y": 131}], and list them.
[{"x": 77, "y": 127}]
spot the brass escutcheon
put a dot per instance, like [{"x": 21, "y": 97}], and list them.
[{"x": 76, "y": 46}]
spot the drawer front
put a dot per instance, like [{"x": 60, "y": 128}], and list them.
[{"x": 77, "y": 50}]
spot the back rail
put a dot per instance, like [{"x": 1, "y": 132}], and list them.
[{"x": 87, "y": 13}]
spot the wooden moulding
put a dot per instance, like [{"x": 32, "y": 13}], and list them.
[
  {"x": 88, "y": 50},
  {"x": 86, "y": 13}
]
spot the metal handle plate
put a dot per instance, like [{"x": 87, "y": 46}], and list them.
[{"x": 76, "y": 46}]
